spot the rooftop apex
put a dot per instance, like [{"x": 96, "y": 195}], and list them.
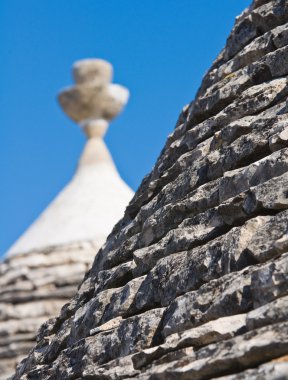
[
  {"x": 96, "y": 197},
  {"x": 93, "y": 101}
]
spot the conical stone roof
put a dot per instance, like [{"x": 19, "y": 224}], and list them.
[
  {"x": 88, "y": 207},
  {"x": 43, "y": 268},
  {"x": 193, "y": 282}
]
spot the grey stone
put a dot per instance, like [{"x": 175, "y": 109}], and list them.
[
  {"x": 271, "y": 371},
  {"x": 192, "y": 283}
]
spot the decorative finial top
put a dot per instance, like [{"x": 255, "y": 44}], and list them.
[{"x": 93, "y": 101}]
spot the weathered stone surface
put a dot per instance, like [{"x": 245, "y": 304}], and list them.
[
  {"x": 272, "y": 371},
  {"x": 231, "y": 294},
  {"x": 193, "y": 282},
  {"x": 238, "y": 353},
  {"x": 275, "y": 311}
]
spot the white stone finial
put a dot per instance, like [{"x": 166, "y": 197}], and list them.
[{"x": 93, "y": 101}]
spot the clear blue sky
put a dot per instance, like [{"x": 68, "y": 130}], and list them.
[{"x": 160, "y": 50}]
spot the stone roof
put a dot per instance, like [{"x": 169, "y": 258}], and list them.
[
  {"x": 193, "y": 282},
  {"x": 86, "y": 209}
]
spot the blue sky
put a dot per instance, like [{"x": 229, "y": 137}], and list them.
[{"x": 160, "y": 50}]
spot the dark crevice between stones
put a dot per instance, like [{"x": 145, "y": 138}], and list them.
[
  {"x": 119, "y": 261},
  {"x": 133, "y": 312},
  {"x": 259, "y": 153},
  {"x": 119, "y": 282},
  {"x": 51, "y": 357},
  {"x": 261, "y": 75},
  {"x": 246, "y": 259}
]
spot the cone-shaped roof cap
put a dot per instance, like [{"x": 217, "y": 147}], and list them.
[{"x": 95, "y": 199}]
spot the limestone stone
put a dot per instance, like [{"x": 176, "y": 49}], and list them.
[
  {"x": 192, "y": 283},
  {"x": 274, "y": 371}
]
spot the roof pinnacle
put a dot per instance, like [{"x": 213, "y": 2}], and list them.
[{"x": 93, "y": 101}]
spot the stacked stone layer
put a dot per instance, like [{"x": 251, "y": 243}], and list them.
[
  {"x": 193, "y": 282},
  {"x": 34, "y": 287}
]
